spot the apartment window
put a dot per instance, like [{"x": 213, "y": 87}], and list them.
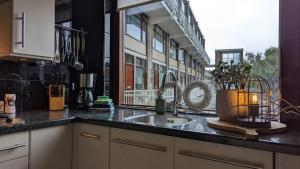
[
  {"x": 158, "y": 74},
  {"x": 183, "y": 6},
  {"x": 173, "y": 49},
  {"x": 141, "y": 74},
  {"x": 235, "y": 58},
  {"x": 136, "y": 26},
  {"x": 159, "y": 39},
  {"x": 181, "y": 57},
  {"x": 182, "y": 79}
]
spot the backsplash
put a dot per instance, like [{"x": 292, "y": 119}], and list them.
[{"x": 29, "y": 81}]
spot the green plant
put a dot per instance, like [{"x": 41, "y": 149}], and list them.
[{"x": 229, "y": 75}]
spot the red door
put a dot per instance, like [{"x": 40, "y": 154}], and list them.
[{"x": 129, "y": 77}]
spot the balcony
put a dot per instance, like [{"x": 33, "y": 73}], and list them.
[{"x": 169, "y": 16}]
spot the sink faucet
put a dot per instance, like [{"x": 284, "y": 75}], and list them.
[{"x": 175, "y": 88}]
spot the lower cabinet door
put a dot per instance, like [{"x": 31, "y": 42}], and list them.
[
  {"x": 19, "y": 163},
  {"x": 51, "y": 148},
  {"x": 138, "y": 150},
  {"x": 92, "y": 146},
  {"x": 287, "y": 161}
]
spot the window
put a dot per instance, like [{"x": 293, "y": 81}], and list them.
[
  {"x": 150, "y": 63},
  {"x": 159, "y": 39},
  {"x": 141, "y": 74},
  {"x": 173, "y": 49},
  {"x": 231, "y": 57},
  {"x": 136, "y": 26},
  {"x": 158, "y": 74},
  {"x": 181, "y": 57}
]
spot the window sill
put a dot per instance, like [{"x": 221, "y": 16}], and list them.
[
  {"x": 159, "y": 51},
  {"x": 136, "y": 39}
]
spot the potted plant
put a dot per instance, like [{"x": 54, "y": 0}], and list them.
[{"x": 231, "y": 80}]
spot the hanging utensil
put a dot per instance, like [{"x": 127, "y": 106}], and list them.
[
  {"x": 83, "y": 49},
  {"x": 57, "y": 54},
  {"x": 76, "y": 45},
  {"x": 62, "y": 47}
]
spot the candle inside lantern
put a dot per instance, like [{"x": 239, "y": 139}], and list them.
[{"x": 253, "y": 106}]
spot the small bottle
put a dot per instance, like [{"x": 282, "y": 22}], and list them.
[{"x": 161, "y": 106}]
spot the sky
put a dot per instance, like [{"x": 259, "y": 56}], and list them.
[{"x": 249, "y": 24}]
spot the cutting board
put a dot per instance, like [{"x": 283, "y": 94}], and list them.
[{"x": 250, "y": 133}]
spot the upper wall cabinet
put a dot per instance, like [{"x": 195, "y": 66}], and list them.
[{"x": 27, "y": 29}]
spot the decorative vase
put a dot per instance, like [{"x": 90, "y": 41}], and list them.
[{"x": 231, "y": 104}]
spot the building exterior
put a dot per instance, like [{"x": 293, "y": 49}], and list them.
[
  {"x": 228, "y": 55},
  {"x": 159, "y": 37}
]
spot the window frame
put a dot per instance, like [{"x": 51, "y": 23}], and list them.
[{"x": 143, "y": 26}]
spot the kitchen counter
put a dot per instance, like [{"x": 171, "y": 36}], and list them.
[{"x": 288, "y": 142}]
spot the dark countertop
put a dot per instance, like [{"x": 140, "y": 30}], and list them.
[{"x": 288, "y": 142}]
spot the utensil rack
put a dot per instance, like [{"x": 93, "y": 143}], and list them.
[{"x": 71, "y": 29}]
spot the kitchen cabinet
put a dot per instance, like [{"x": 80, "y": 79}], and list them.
[
  {"x": 139, "y": 150},
  {"x": 19, "y": 163},
  {"x": 51, "y": 148},
  {"x": 191, "y": 154},
  {"x": 92, "y": 146},
  {"x": 14, "y": 151},
  {"x": 27, "y": 29},
  {"x": 284, "y": 161}
]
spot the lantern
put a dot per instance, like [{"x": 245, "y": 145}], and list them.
[{"x": 255, "y": 99}]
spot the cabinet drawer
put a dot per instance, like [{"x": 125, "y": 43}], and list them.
[
  {"x": 138, "y": 150},
  {"x": 13, "y": 146},
  {"x": 192, "y": 153},
  {"x": 19, "y": 163}
]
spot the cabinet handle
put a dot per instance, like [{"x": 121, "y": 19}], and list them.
[
  {"x": 90, "y": 135},
  {"x": 201, "y": 156},
  {"x": 22, "y": 18},
  {"x": 12, "y": 147},
  {"x": 142, "y": 145}
]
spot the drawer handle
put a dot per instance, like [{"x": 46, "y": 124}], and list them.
[
  {"x": 12, "y": 147},
  {"x": 142, "y": 145},
  {"x": 22, "y": 18},
  {"x": 201, "y": 156},
  {"x": 90, "y": 135}
]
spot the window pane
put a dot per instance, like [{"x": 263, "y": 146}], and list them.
[{"x": 133, "y": 26}]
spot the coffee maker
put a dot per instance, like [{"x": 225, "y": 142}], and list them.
[{"x": 85, "y": 99}]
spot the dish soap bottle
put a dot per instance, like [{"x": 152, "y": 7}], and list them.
[{"x": 161, "y": 106}]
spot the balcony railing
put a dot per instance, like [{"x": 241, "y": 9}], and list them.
[
  {"x": 145, "y": 97},
  {"x": 182, "y": 20}
]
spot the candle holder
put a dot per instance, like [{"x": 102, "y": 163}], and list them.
[{"x": 255, "y": 100}]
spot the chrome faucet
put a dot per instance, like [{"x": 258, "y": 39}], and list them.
[{"x": 175, "y": 88}]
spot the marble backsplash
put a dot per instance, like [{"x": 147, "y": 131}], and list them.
[{"x": 29, "y": 81}]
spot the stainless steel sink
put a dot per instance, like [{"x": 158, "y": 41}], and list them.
[{"x": 160, "y": 120}]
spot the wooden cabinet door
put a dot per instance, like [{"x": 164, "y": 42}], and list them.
[
  {"x": 287, "y": 161},
  {"x": 138, "y": 150},
  {"x": 19, "y": 163},
  {"x": 193, "y": 154},
  {"x": 51, "y": 148},
  {"x": 33, "y": 28},
  {"x": 92, "y": 146}
]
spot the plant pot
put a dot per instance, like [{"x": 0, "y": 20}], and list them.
[{"x": 227, "y": 104}]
